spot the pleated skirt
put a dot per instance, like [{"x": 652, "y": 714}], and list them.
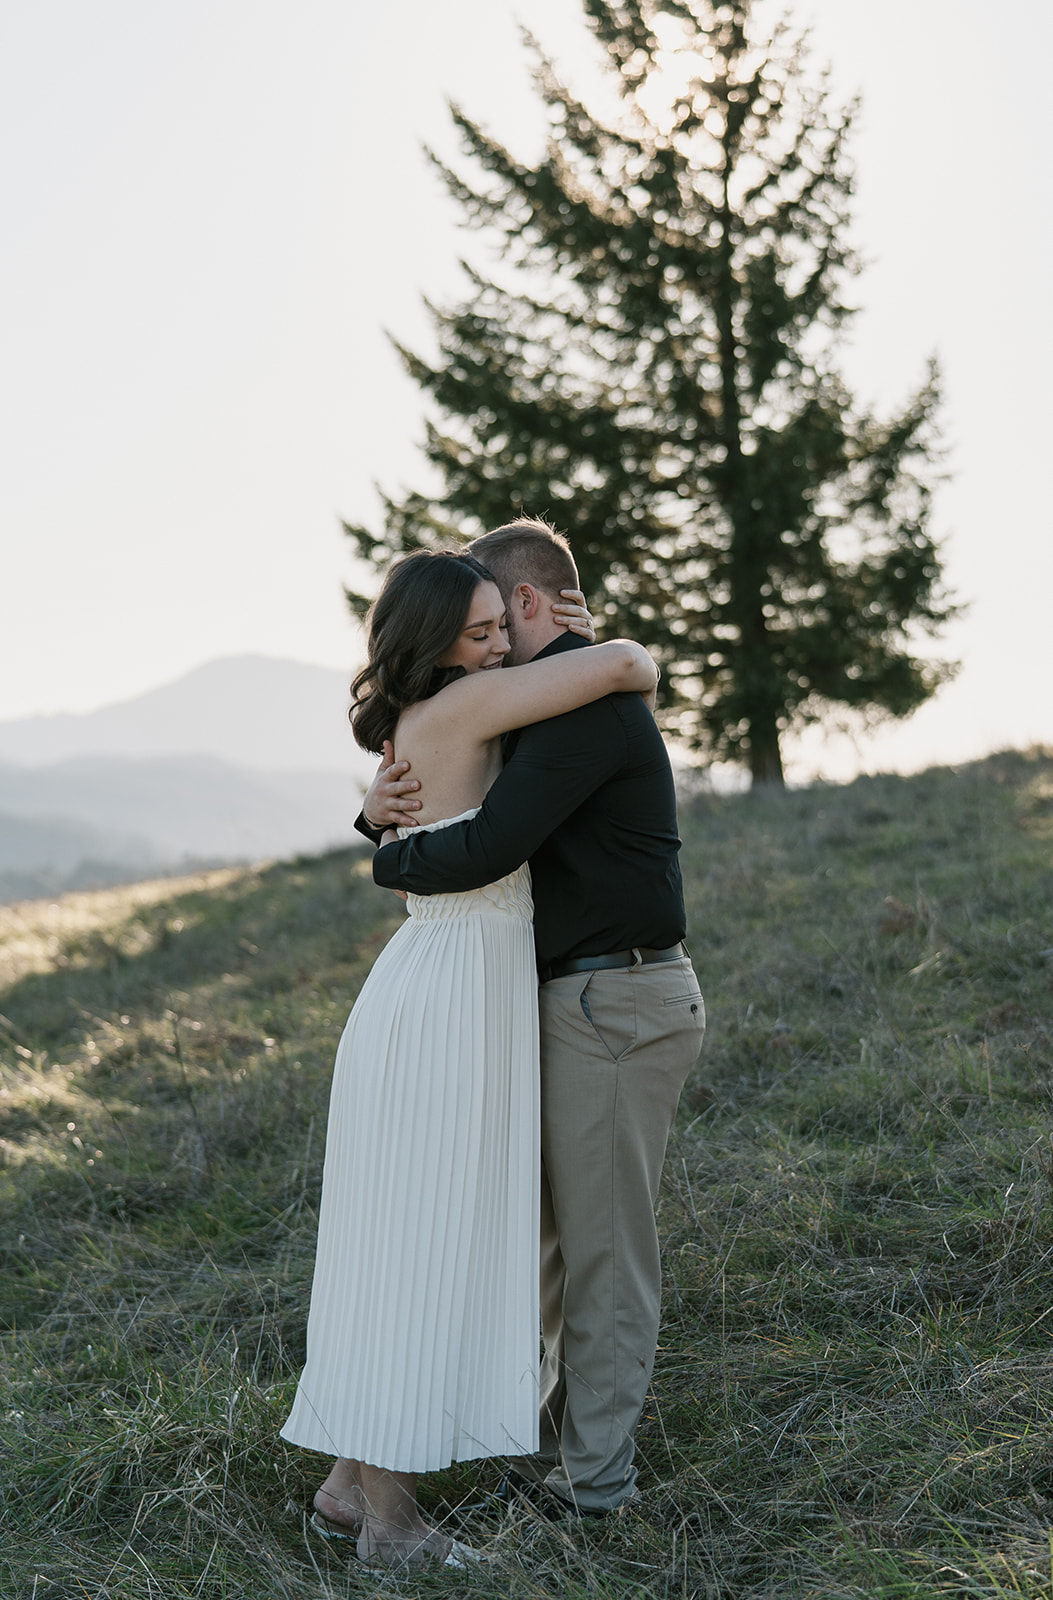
[{"x": 422, "y": 1336}]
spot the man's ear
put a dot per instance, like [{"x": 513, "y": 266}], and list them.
[{"x": 525, "y": 602}]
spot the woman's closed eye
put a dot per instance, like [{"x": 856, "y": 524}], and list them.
[
  {"x": 484, "y": 641},
  {"x": 481, "y": 638}
]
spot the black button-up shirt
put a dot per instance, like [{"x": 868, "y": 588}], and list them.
[{"x": 588, "y": 799}]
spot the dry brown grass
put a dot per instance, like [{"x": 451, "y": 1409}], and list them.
[{"x": 852, "y": 1395}]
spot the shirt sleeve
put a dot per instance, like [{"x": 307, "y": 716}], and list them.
[
  {"x": 555, "y": 767},
  {"x": 367, "y": 830}
]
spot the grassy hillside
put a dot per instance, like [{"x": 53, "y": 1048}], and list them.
[{"x": 853, "y": 1391}]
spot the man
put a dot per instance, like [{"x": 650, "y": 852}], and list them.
[{"x": 588, "y": 798}]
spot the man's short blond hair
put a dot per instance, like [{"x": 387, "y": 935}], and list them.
[{"x": 528, "y": 550}]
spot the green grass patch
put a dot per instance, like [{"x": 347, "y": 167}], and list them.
[{"x": 852, "y": 1396}]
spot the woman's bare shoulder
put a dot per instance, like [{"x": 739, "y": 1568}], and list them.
[
  {"x": 451, "y": 704},
  {"x": 448, "y": 716}
]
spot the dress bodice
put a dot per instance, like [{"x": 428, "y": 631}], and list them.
[{"x": 510, "y": 896}]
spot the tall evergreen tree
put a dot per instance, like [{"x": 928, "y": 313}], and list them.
[{"x": 656, "y": 373}]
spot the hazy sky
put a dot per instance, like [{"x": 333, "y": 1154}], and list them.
[{"x": 209, "y": 213}]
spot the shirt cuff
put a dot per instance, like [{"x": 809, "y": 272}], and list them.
[{"x": 374, "y": 835}]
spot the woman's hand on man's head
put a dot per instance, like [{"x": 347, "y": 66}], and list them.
[{"x": 572, "y": 613}]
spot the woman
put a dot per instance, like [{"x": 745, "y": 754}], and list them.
[{"x": 422, "y": 1339}]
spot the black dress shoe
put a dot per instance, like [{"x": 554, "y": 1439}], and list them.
[{"x": 515, "y": 1489}]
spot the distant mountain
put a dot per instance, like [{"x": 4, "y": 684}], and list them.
[
  {"x": 249, "y": 711},
  {"x": 168, "y": 809},
  {"x": 61, "y": 844},
  {"x": 48, "y": 855},
  {"x": 238, "y": 760}
]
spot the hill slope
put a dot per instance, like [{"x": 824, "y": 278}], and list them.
[{"x": 852, "y": 1391}]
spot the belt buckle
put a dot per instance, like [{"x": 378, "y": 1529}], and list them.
[{"x": 638, "y": 959}]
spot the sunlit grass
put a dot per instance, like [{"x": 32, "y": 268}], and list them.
[{"x": 852, "y": 1395}]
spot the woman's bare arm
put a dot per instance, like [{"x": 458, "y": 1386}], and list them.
[{"x": 490, "y": 703}]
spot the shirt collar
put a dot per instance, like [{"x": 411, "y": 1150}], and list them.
[{"x": 563, "y": 641}]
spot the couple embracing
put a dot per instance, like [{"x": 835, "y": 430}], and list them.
[{"x": 545, "y": 926}]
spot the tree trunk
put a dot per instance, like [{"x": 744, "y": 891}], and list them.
[{"x": 765, "y": 756}]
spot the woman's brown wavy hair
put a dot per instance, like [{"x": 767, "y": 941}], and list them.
[{"x": 416, "y": 618}]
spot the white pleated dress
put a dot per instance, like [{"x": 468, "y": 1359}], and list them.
[{"x": 422, "y": 1336}]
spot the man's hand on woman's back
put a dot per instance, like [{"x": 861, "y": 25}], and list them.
[{"x": 389, "y": 802}]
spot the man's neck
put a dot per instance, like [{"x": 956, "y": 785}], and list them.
[
  {"x": 538, "y": 639},
  {"x": 561, "y": 640}
]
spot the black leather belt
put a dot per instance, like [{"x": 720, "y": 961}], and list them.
[{"x": 638, "y": 957}]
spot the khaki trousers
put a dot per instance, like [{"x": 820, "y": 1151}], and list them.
[{"x": 616, "y": 1047}]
